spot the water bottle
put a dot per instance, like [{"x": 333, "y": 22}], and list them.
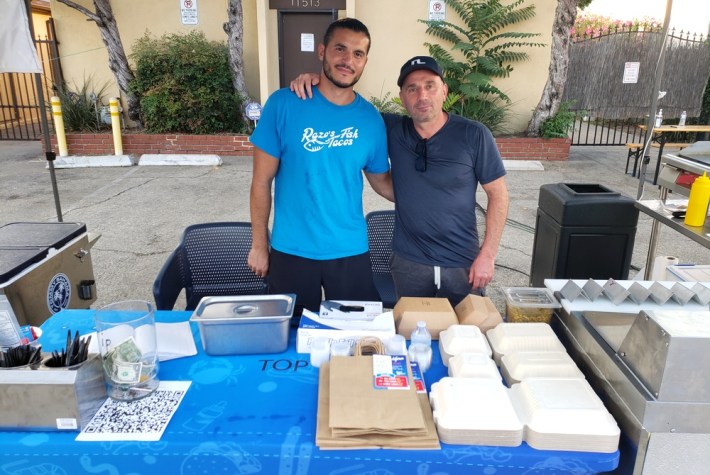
[
  {"x": 420, "y": 346},
  {"x": 659, "y": 118},
  {"x": 683, "y": 116},
  {"x": 421, "y": 335}
]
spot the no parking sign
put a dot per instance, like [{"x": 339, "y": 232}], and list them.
[
  {"x": 188, "y": 12},
  {"x": 437, "y": 10}
]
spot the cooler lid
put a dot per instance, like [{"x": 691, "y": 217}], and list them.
[
  {"x": 14, "y": 260},
  {"x": 31, "y": 234}
]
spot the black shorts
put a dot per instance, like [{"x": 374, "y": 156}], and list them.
[{"x": 347, "y": 278}]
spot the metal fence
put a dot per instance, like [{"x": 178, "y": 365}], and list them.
[
  {"x": 19, "y": 105},
  {"x": 608, "y": 110}
]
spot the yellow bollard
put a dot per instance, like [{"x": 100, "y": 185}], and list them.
[
  {"x": 59, "y": 126},
  {"x": 116, "y": 126}
]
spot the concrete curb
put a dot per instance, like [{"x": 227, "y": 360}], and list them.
[
  {"x": 126, "y": 161},
  {"x": 166, "y": 159},
  {"x": 93, "y": 161},
  {"x": 523, "y": 165}
]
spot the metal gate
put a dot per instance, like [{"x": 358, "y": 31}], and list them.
[
  {"x": 19, "y": 105},
  {"x": 608, "y": 109}
]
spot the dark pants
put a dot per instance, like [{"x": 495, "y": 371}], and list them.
[
  {"x": 412, "y": 279},
  {"x": 347, "y": 278}
]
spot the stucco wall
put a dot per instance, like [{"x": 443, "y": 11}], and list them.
[
  {"x": 84, "y": 54},
  {"x": 396, "y": 36}
]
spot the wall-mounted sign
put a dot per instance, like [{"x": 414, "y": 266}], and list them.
[
  {"x": 307, "y": 4},
  {"x": 308, "y": 42},
  {"x": 188, "y": 12},
  {"x": 253, "y": 111},
  {"x": 437, "y": 10},
  {"x": 631, "y": 73}
]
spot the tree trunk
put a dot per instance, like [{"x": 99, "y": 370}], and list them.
[
  {"x": 117, "y": 60},
  {"x": 549, "y": 104},
  {"x": 234, "y": 27}
]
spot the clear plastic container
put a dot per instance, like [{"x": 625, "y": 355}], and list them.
[{"x": 530, "y": 304}]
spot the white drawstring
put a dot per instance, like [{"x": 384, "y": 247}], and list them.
[{"x": 437, "y": 277}]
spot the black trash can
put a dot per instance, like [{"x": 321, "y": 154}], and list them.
[{"x": 582, "y": 231}]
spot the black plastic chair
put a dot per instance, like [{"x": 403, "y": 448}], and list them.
[
  {"x": 211, "y": 260},
  {"x": 380, "y": 228}
]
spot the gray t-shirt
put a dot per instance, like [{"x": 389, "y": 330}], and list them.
[{"x": 435, "y": 220}]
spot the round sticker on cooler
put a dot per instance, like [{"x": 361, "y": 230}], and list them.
[{"x": 58, "y": 293}]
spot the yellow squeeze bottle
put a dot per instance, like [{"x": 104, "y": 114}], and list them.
[{"x": 698, "y": 201}]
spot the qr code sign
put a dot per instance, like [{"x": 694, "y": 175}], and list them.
[{"x": 145, "y": 419}]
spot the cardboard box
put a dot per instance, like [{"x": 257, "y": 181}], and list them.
[
  {"x": 436, "y": 312},
  {"x": 479, "y": 311},
  {"x": 313, "y": 326}
]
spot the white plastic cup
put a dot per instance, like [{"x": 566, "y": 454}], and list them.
[
  {"x": 340, "y": 348},
  {"x": 129, "y": 349},
  {"x": 320, "y": 351},
  {"x": 422, "y": 354},
  {"x": 396, "y": 345}
]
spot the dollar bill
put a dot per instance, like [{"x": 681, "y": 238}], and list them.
[{"x": 123, "y": 363}]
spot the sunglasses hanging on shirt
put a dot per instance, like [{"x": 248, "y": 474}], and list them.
[{"x": 420, "y": 162}]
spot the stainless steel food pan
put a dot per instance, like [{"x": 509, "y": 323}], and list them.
[{"x": 244, "y": 324}]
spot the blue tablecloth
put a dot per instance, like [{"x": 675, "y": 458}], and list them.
[{"x": 255, "y": 414}]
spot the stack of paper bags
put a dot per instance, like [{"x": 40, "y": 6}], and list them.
[{"x": 353, "y": 414}]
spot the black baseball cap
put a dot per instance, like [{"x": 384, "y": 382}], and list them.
[{"x": 417, "y": 63}]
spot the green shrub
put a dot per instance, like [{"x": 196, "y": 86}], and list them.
[
  {"x": 560, "y": 124},
  {"x": 81, "y": 106},
  {"x": 185, "y": 85}
]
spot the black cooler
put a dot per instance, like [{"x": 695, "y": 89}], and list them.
[{"x": 45, "y": 267}]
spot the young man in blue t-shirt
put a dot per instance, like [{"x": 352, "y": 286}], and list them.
[{"x": 315, "y": 153}]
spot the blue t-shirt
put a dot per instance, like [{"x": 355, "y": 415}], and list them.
[
  {"x": 323, "y": 149},
  {"x": 435, "y": 210}
]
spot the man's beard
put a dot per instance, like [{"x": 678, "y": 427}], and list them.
[{"x": 327, "y": 70}]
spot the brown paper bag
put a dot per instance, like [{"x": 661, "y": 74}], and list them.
[
  {"x": 326, "y": 440},
  {"x": 356, "y": 407}
]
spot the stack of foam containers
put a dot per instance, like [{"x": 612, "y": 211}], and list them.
[
  {"x": 549, "y": 403},
  {"x": 475, "y": 411}
]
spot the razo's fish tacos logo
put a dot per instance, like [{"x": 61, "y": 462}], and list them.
[
  {"x": 58, "y": 293},
  {"x": 314, "y": 141}
]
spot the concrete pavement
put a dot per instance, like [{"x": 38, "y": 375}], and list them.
[{"x": 141, "y": 211}]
